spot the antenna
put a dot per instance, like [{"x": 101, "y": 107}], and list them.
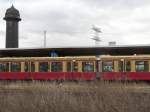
[
  {"x": 96, "y": 36},
  {"x": 44, "y": 38},
  {"x": 12, "y": 2}
]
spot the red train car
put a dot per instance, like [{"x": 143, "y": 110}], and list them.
[{"x": 76, "y": 68}]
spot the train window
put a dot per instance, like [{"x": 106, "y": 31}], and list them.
[
  {"x": 15, "y": 66},
  {"x": 128, "y": 66},
  {"x": 4, "y": 67},
  {"x": 26, "y": 66},
  {"x": 107, "y": 66},
  {"x": 32, "y": 67},
  {"x": 56, "y": 66},
  {"x": 43, "y": 67},
  {"x": 87, "y": 66},
  {"x": 141, "y": 66}
]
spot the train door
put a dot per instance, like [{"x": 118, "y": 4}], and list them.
[
  {"x": 25, "y": 67},
  {"x": 99, "y": 68},
  {"x": 33, "y": 66},
  {"x": 121, "y": 65},
  {"x": 128, "y": 65}
]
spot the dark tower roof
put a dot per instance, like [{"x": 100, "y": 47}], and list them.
[{"x": 12, "y": 13}]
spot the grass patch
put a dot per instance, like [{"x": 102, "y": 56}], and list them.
[{"x": 74, "y": 97}]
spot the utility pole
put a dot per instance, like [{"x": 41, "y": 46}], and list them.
[
  {"x": 96, "y": 36},
  {"x": 97, "y": 39},
  {"x": 44, "y": 38}
]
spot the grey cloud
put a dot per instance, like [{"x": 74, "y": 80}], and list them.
[
  {"x": 120, "y": 20},
  {"x": 116, "y": 3},
  {"x": 56, "y": 20}
]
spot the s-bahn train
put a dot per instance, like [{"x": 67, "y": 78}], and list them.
[{"x": 135, "y": 67}]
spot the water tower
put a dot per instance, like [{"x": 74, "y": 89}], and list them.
[{"x": 12, "y": 18}]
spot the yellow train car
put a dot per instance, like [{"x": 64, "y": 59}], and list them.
[{"x": 134, "y": 67}]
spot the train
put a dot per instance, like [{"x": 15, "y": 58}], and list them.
[{"x": 88, "y": 68}]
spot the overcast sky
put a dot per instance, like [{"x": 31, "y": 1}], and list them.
[{"x": 69, "y": 22}]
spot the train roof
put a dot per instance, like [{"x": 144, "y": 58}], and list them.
[
  {"x": 76, "y": 51},
  {"x": 78, "y": 58}
]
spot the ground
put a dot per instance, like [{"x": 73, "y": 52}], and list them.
[{"x": 74, "y": 97}]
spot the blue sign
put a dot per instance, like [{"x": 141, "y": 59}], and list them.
[{"x": 53, "y": 54}]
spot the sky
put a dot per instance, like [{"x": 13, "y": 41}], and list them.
[{"x": 69, "y": 22}]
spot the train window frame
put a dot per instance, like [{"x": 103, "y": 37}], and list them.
[
  {"x": 39, "y": 66},
  {"x": 75, "y": 66},
  {"x": 112, "y": 68},
  {"x": 86, "y": 66},
  {"x": 121, "y": 66},
  {"x": 143, "y": 64},
  {"x": 56, "y": 69},
  {"x": 128, "y": 65},
  {"x": 14, "y": 67},
  {"x": 69, "y": 66},
  {"x": 32, "y": 66},
  {"x": 7, "y": 67},
  {"x": 26, "y": 66}
]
